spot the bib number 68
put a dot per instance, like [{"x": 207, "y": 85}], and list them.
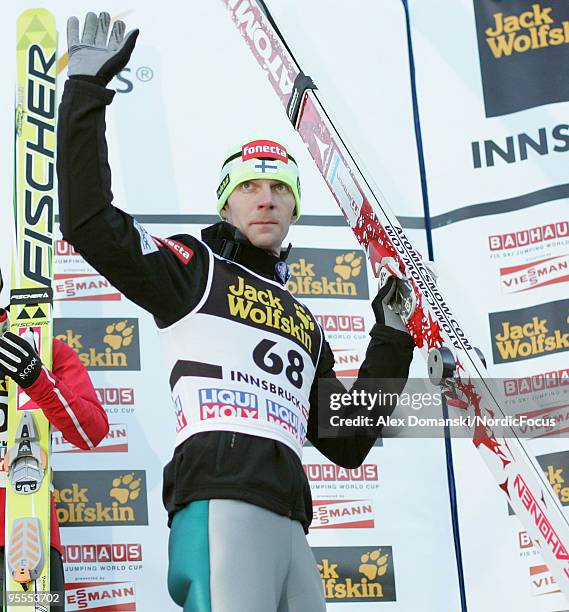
[{"x": 272, "y": 362}]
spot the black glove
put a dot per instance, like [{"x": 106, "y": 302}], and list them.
[
  {"x": 19, "y": 360},
  {"x": 94, "y": 55}
]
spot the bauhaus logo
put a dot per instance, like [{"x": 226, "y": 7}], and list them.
[
  {"x": 523, "y": 46},
  {"x": 356, "y": 573}
]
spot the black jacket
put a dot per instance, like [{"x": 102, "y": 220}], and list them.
[{"x": 213, "y": 464}]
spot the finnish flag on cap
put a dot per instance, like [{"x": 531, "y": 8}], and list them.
[{"x": 266, "y": 166}]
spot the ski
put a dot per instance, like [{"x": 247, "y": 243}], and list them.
[
  {"x": 453, "y": 361},
  {"x": 27, "y": 461}
]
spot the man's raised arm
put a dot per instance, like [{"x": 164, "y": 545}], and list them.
[{"x": 164, "y": 276}]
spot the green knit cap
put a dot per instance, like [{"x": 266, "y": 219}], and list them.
[{"x": 258, "y": 159}]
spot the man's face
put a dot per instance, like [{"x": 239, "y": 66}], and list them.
[{"x": 262, "y": 209}]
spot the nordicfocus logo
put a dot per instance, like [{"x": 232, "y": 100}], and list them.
[
  {"x": 264, "y": 307},
  {"x": 100, "y": 596},
  {"x": 116, "y": 441},
  {"x": 356, "y": 573},
  {"x": 250, "y": 21},
  {"x": 537, "y": 382},
  {"x": 521, "y": 46},
  {"x": 552, "y": 270},
  {"x": 102, "y": 553},
  {"x": 527, "y": 237},
  {"x": 342, "y": 513},
  {"x": 102, "y": 344},
  {"x": 287, "y": 419},
  {"x": 264, "y": 148},
  {"x": 100, "y": 497},
  {"x": 227, "y": 403},
  {"x": 530, "y": 332},
  {"x": 328, "y": 273}
]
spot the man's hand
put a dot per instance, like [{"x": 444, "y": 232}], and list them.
[
  {"x": 392, "y": 286},
  {"x": 93, "y": 55},
  {"x": 19, "y": 359}
]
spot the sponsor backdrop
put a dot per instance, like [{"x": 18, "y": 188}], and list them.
[
  {"x": 492, "y": 101},
  {"x": 493, "y": 106}
]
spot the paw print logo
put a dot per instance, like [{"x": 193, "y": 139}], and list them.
[
  {"x": 348, "y": 265},
  {"x": 119, "y": 335},
  {"x": 125, "y": 488},
  {"x": 305, "y": 318},
  {"x": 373, "y": 564}
]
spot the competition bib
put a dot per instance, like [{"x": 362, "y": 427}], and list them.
[{"x": 244, "y": 360}]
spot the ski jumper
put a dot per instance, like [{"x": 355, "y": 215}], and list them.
[{"x": 244, "y": 356}]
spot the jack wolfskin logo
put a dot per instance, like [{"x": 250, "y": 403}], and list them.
[
  {"x": 523, "y": 46},
  {"x": 356, "y": 573},
  {"x": 328, "y": 273},
  {"x": 102, "y": 344},
  {"x": 102, "y": 497},
  {"x": 530, "y": 332}
]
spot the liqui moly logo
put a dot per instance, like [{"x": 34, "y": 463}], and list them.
[
  {"x": 264, "y": 148},
  {"x": 343, "y": 513},
  {"x": 536, "y": 274},
  {"x": 102, "y": 553},
  {"x": 227, "y": 403},
  {"x": 527, "y": 237},
  {"x": 286, "y": 418}
]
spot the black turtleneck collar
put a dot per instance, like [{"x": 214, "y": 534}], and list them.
[{"x": 227, "y": 241}]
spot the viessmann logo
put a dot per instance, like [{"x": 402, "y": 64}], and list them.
[
  {"x": 100, "y": 596},
  {"x": 101, "y": 497},
  {"x": 75, "y": 279},
  {"x": 552, "y": 270},
  {"x": 356, "y": 573},
  {"x": 342, "y": 513},
  {"x": 328, "y": 273},
  {"x": 521, "y": 45},
  {"x": 102, "y": 344},
  {"x": 116, "y": 441},
  {"x": 530, "y": 332}
]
